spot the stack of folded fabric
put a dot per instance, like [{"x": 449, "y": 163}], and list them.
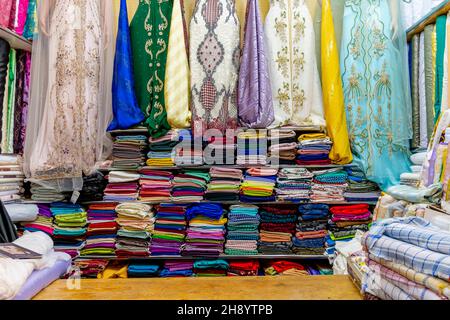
[
  {"x": 314, "y": 149},
  {"x": 170, "y": 230},
  {"x": 11, "y": 178},
  {"x": 311, "y": 230},
  {"x": 412, "y": 179},
  {"x": 162, "y": 150},
  {"x": 252, "y": 147},
  {"x": 189, "y": 151},
  {"x": 329, "y": 186},
  {"x": 220, "y": 151},
  {"x": 259, "y": 185},
  {"x": 359, "y": 188},
  {"x": 285, "y": 268},
  {"x": 190, "y": 185},
  {"x": 155, "y": 185},
  {"x": 43, "y": 194},
  {"x": 210, "y": 268},
  {"x": 276, "y": 229},
  {"x": 90, "y": 268},
  {"x": 136, "y": 221},
  {"x": 175, "y": 268},
  {"x": 282, "y": 147},
  {"x": 129, "y": 152},
  {"x": 102, "y": 230},
  {"x": 224, "y": 184},
  {"x": 243, "y": 268},
  {"x": 294, "y": 184},
  {"x": 43, "y": 222},
  {"x": 408, "y": 259},
  {"x": 93, "y": 187},
  {"x": 122, "y": 186},
  {"x": 347, "y": 220},
  {"x": 242, "y": 227},
  {"x": 206, "y": 232},
  {"x": 70, "y": 227},
  {"x": 142, "y": 270}
]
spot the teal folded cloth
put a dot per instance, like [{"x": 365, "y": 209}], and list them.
[{"x": 211, "y": 264}]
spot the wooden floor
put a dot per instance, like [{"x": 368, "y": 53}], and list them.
[{"x": 230, "y": 288}]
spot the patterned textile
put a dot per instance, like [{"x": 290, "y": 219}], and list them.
[
  {"x": 214, "y": 60},
  {"x": 21, "y": 16},
  {"x": 422, "y": 94},
  {"x": 6, "y": 6},
  {"x": 429, "y": 77},
  {"x": 19, "y": 103},
  {"x": 8, "y": 108},
  {"x": 30, "y": 25},
  {"x": 25, "y": 101},
  {"x": 415, "y": 142}
]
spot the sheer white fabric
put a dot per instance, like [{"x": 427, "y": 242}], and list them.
[
  {"x": 70, "y": 102},
  {"x": 414, "y": 10}
]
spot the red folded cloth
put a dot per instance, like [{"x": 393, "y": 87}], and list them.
[{"x": 356, "y": 209}]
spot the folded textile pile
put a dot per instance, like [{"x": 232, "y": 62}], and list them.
[
  {"x": 102, "y": 230},
  {"x": 162, "y": 150},
  {"x": 175, "y": 268},
  {"x": 314, "y": 149},
  {"x": 210, "y": 268},
  {"x": 294, "y": 184},
  {"x": 242, "y": 227},
  {"x": 311, "y": 230},
  {"x": 285, "y": 268},
  {"x": 44, "y": 194},
  {"x": 93, "y": 187},
  {"x": 282, "y": 147},
  {"x": 122, "y": 186},
  {"x": 142, "y": 270},
  {"x": 276, "y": 229},
  {"x": 224, "y": 184},
  {"x": 43, "y": 222},
  {"x": 347, "y": 220},
  {"x": 409, "y": 259},
  {"x": 190, "y": 185},
  {"x": 206, "y": 232},
  {"x": 11, "y": 178},
  {"x": 360, "y": 189},
  {"x": 189, "y": 151},
  {"x": 70, "y": 227},
  {"x": 90, "y": 268},
  {"x": 411, "y": 179},
  {"x": 220, "y": 150},
  {"x": 155, "y": 185},
  {"x": 170, "y": 230},
  {"x": 136, "y": 221},
  {"x": 258, "y": 185},
  {"x": 329, "y": 185},
  {"x": 248, "y": 268},
  {"x": 129, "y": 152},
  {"x": 252, "y": 147}
]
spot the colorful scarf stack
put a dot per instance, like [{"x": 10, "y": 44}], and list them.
[
  {"x": 170, "y": 230},
  {"x": 224, "y": 184},
  {"x": 206, "y": 232},
  {"x": 329, "y": 185},
  {"x": 155, "y": 185},
  {"x": 91, "y": 268},
  {"x": 282, "y": 147},
  {"x": 314, "y": 149},
  {"x": 252, "y": 147},
  {"x": 129, "y": 152},
  {"x": 11, "y": 178},
  {"x": 359, "y": 188},
  {"x": 102, "y": 229},
  {"x": 258, "y": 185},
  {"x": 190, "y": 186},
  {"x": 276, "y": 229},
  {"x": 189, "y": 151},
  {"x": 243, "y": 268},
  {"x": 220, "y": 150},
  {"x": 136, "y": 223},
  {"x": 162, "y": 150},
  {"x": 294, "y": 184},
  {"x": 43, "y": 222},
  {"x": 347, "y": 220},
  {"x": 175, "y": 268},
  {"x": 210, "y": 268},
  {"x": 122, "y": 186},
  {"x": 70, "y": 227},
  {"x": 242, "y": 227}
]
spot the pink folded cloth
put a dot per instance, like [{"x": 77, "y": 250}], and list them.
[
  {"x": 283, "y": 146},
  {"x": 346, "y": 217},
  {"x": 262, "y": 172}
]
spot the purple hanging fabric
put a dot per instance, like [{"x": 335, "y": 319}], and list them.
[
  {"x": 25, "y": 100},
  {"x": 18, "y": 109},
  {"x": 254, "y": 93}
]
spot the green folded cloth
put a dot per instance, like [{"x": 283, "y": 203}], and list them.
[{"x": 211, "y": 264}]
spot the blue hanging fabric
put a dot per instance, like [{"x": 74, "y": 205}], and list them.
[{"x": 125, "y": 107}]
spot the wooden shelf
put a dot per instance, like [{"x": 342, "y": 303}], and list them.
[
  {"x": 335, "y": 203},
  {"x": 15, "y": 41},
  {"x": 430, "y": 18},
  {"x": 223, "y": 256}
]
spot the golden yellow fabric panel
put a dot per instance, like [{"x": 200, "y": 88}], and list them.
[
  {"x": 333, "y": 94},
  {"x": 114, "y": 270}
]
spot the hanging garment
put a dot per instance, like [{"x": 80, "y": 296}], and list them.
[
  {"x": 333, "y": 94},
  {"x": 70, "y": 105},
  {"x": 422, "y": 94},
  {"x": 415, "y": 142},
  {"x": 18, "y": 109},
  {"x": 149, "y": 39},
  {"x": 4, "y": 61},
  {"x": 377, "y": 91},
  {"x": 255, "y": 93},
  {"x": 177, "y": 88},
  {"x": 13, "y": 15},
  {"x": 5, "y": 13},
  {"x": 125, "y": 106},
  {"x": 297, "y": 95},
  {"x": 429, "y": 77},
  {"x": 22, "y": 10},
  {"x": 214, "y": 59},
  {"x": 30, "y": 24},
  {"x": 25, "y": 102},
  {"x": 441, "y": 24},
  {"x": 9, "y": 106},
  {"x": 444, "y": 99}
]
